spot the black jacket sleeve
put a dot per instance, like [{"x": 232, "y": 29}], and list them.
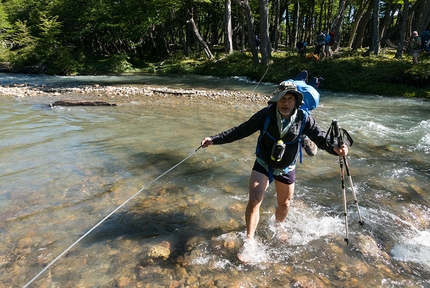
[
  {"x": 247, "y": 128},
  {"x": 318, "y": 136}
]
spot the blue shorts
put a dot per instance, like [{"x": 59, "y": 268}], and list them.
[{"x": 288, "y": 178}]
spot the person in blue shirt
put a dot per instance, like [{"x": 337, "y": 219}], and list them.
[{"x": 327, "y": 47}]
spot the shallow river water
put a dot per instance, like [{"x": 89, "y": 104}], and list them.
[{"x": 65, "y": 169}]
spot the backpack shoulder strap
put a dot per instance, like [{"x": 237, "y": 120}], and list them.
[
  {"x": 302, "y": 127},
  {"x": 263, "y": 131}
]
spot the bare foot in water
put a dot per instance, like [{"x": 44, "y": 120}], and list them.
[
  {"x": 281, "y": 233},
  {"x": 252, "y": 252}
]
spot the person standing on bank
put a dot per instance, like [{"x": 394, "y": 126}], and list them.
[
  {"x": 281, "y": 124},
  {"x": 415, "y": 47}
]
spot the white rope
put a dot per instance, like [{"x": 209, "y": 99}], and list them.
[
  {"x": 104, "y": 219},
  {"x": 261, "y": 79}
]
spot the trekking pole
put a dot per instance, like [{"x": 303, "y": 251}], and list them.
[
  {"x": 360, "y": 221},
  {"x": 335, "y": 133},
  {"x": 349, "y": 141}
]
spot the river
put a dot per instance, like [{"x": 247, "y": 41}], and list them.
[{"x": 64, "y": 169}]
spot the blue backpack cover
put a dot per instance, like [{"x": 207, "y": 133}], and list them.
[{"x": 311, "y": 96}]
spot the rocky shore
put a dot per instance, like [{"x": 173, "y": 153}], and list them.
[{"x": 130, "y": 94}]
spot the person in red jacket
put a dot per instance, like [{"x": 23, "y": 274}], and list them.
[{"x": 281, "y": 125}]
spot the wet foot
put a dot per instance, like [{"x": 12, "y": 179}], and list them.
[
  {"x": 242, "y": 258},
  {"x": 251, "y": 252},
  {"x": 281, "y": 233}
]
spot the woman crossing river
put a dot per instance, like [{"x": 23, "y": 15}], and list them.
[{"x": 281, "y": 124}]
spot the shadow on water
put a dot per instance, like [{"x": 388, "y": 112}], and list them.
[{"x": 155, "y": 211}]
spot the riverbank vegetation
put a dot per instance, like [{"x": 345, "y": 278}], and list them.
[
  {"x": 347, "y": 70},
  {"x": 218, "y": 37}
]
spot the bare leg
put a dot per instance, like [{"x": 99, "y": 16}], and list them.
[
  {"x": 284, "y": 195},
  {"x": 258, "y": 184},
  {"x": 415, "y": 57}
]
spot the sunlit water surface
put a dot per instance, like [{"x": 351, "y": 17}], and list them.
[{"x": 65, "y": 169}]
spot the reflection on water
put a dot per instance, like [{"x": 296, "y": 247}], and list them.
[{"x": 65, "y": 169}]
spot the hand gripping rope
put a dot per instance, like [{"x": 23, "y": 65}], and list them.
[
  {"x": 338, "y": 133},
  {"x": 104, "y": 219}
]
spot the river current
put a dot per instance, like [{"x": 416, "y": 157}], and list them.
[{"x": 64, "y": 169}]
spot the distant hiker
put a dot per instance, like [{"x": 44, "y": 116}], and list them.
[
  {"x": 257, "y": 42},
  {"x": 281, "y": 124},
  {"x": 320, "y": 45},
  {"x": 415, "y": 45},
  {"x": 327, "y": 46},
  {"x": 301, "y": 48}
]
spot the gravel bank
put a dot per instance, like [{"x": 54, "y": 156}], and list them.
[{"x": 120, "y": 95}]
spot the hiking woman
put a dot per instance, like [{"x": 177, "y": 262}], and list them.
[{"x": 281, "y": 125}]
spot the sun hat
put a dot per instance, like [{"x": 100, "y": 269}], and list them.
[{"x": 284, "y": 88}]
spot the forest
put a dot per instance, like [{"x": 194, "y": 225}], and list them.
[{"x": 101, "y": 36}]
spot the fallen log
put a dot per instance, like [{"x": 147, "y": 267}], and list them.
[
  {"x": 81, "y": 103},
  {"x": 175, "y": 92}
]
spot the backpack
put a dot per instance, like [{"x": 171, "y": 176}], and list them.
[
  {"x": 425, "y": 38},
  {"x": 320, "y": 39},
  {"x": 311, "y": 97}
]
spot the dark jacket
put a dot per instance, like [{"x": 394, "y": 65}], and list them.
[{"x": 256, "y": 123}]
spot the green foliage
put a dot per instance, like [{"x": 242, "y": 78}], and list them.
[
  {"x": 21, "y": 34},
  {"x": 117, "y": 63},
  {"x": 4, "y": 23},
  {"x": 62, "y": 62},
  {"x": 4, "y": 26},
  {"x": 23, "y": 53},
  {"x": 48, "y": 46}
]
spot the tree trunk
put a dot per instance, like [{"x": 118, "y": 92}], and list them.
[
  {"x": 321, "y": 16},
  {"x": 182, "y": 38},
  {"x": 296, "y": 24},
  {"x": 200, "y": 39},
  {"x": 399, "y": 53},
  {"x": 375, "y": 38},
  {"x": 277, "y": 14},
  {"x": 337, "y": 25},
  {"x": 390, "y": 11},
  {"x": 423, "y": 16},
  {"x": 360, "y": 13},
  {"x": 287, "y": 26},
  {"x": 242, "y": 36},
  {"x": 244, "y": 4},
  {"x": 361, "y": 30},
  {"x": 266, "y": 48},
  {"x": 228, "y": 33}
]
